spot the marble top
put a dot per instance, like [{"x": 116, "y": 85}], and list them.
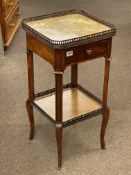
[{"x": 67, "y": 27}]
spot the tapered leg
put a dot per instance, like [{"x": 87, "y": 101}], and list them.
[
  {"x": 103, "y": 127},
  {"x": 30, "y": 91},
  {"x": 59, "y": 113},
  {"x": 106, "y": 109},
  {"x": 31, "y": 118},
  {"x": 59, "y": 145},
  {"x": 74, "y": 75}
]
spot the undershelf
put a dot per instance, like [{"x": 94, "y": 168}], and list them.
[{"x": 78, "y": 104}]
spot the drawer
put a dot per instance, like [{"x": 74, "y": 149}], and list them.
[
  {"x": 11, "y": 24},
  {"x": 86, "y": 52},
  {"x": 8, "y": 5}
]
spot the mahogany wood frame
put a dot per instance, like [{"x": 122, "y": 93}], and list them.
[{"x": 56, "y": 57}]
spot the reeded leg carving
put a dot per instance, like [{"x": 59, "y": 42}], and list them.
[
  {"x": 103, "y": 127},
  {"x": 59, "y": 145},
  {"x": 31, "y": 118}
]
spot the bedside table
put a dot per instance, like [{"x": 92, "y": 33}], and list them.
[{"x": 67, "y": 39}]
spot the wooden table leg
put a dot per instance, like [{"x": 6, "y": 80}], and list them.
[
  {"x": 103, "y": 127},
  {"x": 31, "y": 91},
  {"x": 59, "y": 144},
  {"x": 74, "y": 75},
  {"x": 106, "y": 109},
  {"x": 59, "y": 114}
]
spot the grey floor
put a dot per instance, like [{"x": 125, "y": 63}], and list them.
[{"x": 81, "y": 148}]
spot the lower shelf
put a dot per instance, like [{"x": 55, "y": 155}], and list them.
[{"x": 78, "y": 104}]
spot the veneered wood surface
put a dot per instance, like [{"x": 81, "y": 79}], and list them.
[
  {"x": 9, "y": 20},
  {"x": 41, "y": 49},
  {"x": 11, "y": 25},
  {"x": 8, "y": 6},
  {"x": 80, "y": 53},
  {"x": 75, "y": 103}
]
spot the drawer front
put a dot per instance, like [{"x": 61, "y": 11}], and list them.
[
  {"x": 11, "y": 23},
  {"x": 8, "y": 6},
  {"x": 86, "y": 52}
]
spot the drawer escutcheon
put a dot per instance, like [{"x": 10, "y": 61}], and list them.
[{"x": 69, "y": 53}]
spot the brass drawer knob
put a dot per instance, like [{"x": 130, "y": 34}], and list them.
[
  {"x": 12, "y": 25},
  {"x": 89, "y": 52},
  {"x": 18, "y": 13},
  {"x": 10, "y": 4}
]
